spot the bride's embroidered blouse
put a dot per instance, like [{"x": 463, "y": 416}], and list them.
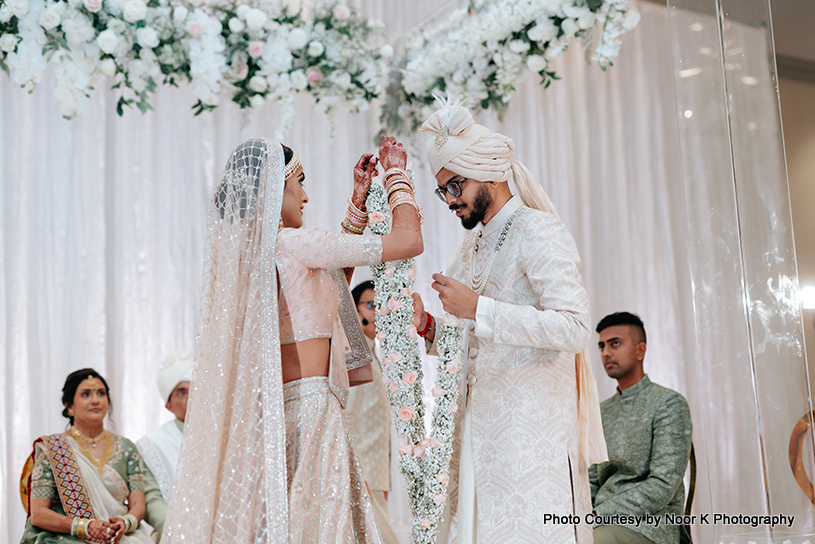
[{"x": 308, "y": 302}]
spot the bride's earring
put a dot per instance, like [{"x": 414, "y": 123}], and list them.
[{"x": 280, "y": 225}]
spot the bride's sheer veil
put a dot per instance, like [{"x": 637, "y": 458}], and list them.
[{"x": 231, "y": 479}]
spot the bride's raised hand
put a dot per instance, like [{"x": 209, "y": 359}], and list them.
[
  {"x": 364, "y": 171},
  {"x": 392, "y": 154}
]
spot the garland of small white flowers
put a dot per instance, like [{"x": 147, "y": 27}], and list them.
[{"x": 424, "y": 460}]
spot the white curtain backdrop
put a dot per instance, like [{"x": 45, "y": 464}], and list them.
[{"x": 103, "y": 223}]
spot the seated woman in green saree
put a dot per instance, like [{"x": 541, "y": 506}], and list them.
[{"x": 86, "y": 484}]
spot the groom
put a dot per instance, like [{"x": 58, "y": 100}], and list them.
[{"x": 522, "y": 448}]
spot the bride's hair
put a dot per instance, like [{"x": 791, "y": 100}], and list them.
[{"x": 287, "y": 153}]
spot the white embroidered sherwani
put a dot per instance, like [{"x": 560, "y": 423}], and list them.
[
  {"x": 160, "y": 450},
  {"x": 519, "y": 392}
]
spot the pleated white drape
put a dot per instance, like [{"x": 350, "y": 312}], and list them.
[{"x": 103, "y": 222}]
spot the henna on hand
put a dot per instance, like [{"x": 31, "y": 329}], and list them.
[{"x": 392, "y": 154}]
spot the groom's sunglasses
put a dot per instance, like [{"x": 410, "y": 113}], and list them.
[{"x": 452, "y": 187}]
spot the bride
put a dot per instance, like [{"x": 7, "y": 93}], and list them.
[{"x": 267, "y": 457}]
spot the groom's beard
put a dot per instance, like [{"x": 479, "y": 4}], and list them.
[{"x": 481, "y": 204}]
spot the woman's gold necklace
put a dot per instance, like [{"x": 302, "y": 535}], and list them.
[{"x": 85, "y": 441}]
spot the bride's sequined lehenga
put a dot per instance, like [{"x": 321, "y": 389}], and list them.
[{"x": 265, "y": 462}]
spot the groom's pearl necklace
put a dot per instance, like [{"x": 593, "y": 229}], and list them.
[{"x": 478, "y": 280}]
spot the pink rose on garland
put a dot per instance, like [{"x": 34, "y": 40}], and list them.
[
  {"x": 373, "y": 217},
  {"x": 452, "y": 367},
  {"x": 426, "y": 524},
  {"x": 409, "y": 377},
  {"x": 442, "y": 478},
  {"x": 406, "y": 413},
  {"x": 440, "y": 498},
  {"x": 405, "y": 450},
  {"x": 394, "y": 304},
  {"x": 418, "y": 451},
  {"x": 437, "y": 392}
]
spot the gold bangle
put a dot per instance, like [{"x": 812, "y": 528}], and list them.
[{"x": 350, "y": 227}]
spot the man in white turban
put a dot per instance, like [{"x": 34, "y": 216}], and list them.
[
  {"x": 160, "y": 449},
  {"x": 530, "y": 424}
]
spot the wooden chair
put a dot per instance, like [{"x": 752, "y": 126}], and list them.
[{"x": 796, "y": 456}]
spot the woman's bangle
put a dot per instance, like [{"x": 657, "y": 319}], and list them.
[
  {"x": 347, "y": 225},
  {"x": 79, "y": 527},
  {"x": 130, "y": 523},
  {"x": 423, "y": 332}
]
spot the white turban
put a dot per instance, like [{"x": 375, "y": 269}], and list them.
[
  {"x": 175, "y": 368},
  {"x": 471, "y": 150}
]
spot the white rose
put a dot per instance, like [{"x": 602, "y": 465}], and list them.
[
  {"x": 180, "y": 14},
  {"x": 255, "y": 19},
  {"x": 518, "y": 46},
  {"x": 569, "y": 27},
  {"x": 298, "y": 38},
  {"x": 242, "y": 10},
  {"x": 236, "y": 25},
  {"x": 147, "y": 37},
  {"x": 49, "y": 18},
  {"x": 107, "y": 67},
  {"x": 116, "y": 25},
  {"x": 315, "y": 49},
  {"x": 8, "y": 43},
  {"x": 5, "y": 14},
  {"x": 553, "y": 51},
  {"x": 543, "y": 31},
  {"x": 299, "y": 80},
  {"x": 586, "y": 20},
  {"x": 135, "y": 11},
  {"x": 257, "y": 84},
  {"x": 535, "y": 63},
  {"x": 631, "y": 19},
  {"x": 108, "y": 41},
  {"x": 386, "y": 51},
  {"x": 18, "y": 7},
  {"x": 94, "y": 6},
  {"x": 257, "y": 101},
  {"x": 341, "y": 12}
]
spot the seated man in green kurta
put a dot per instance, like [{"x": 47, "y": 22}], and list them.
[{"x": 648, "y": 432}]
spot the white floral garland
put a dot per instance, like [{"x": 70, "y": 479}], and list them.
[
  {"x": 424, "y": 460},
  {"x": 247, "y": 52},
  {"x": 481, "y": 54}
]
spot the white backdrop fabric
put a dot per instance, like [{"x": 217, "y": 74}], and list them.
[{"x": 103, "y": 222}]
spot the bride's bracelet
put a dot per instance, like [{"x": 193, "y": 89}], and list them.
[
  {"x": 396, "y": 175},
  {"x": 355, "y": 219}
]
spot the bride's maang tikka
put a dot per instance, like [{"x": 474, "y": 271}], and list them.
[{"x": 291, "y": 168}]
